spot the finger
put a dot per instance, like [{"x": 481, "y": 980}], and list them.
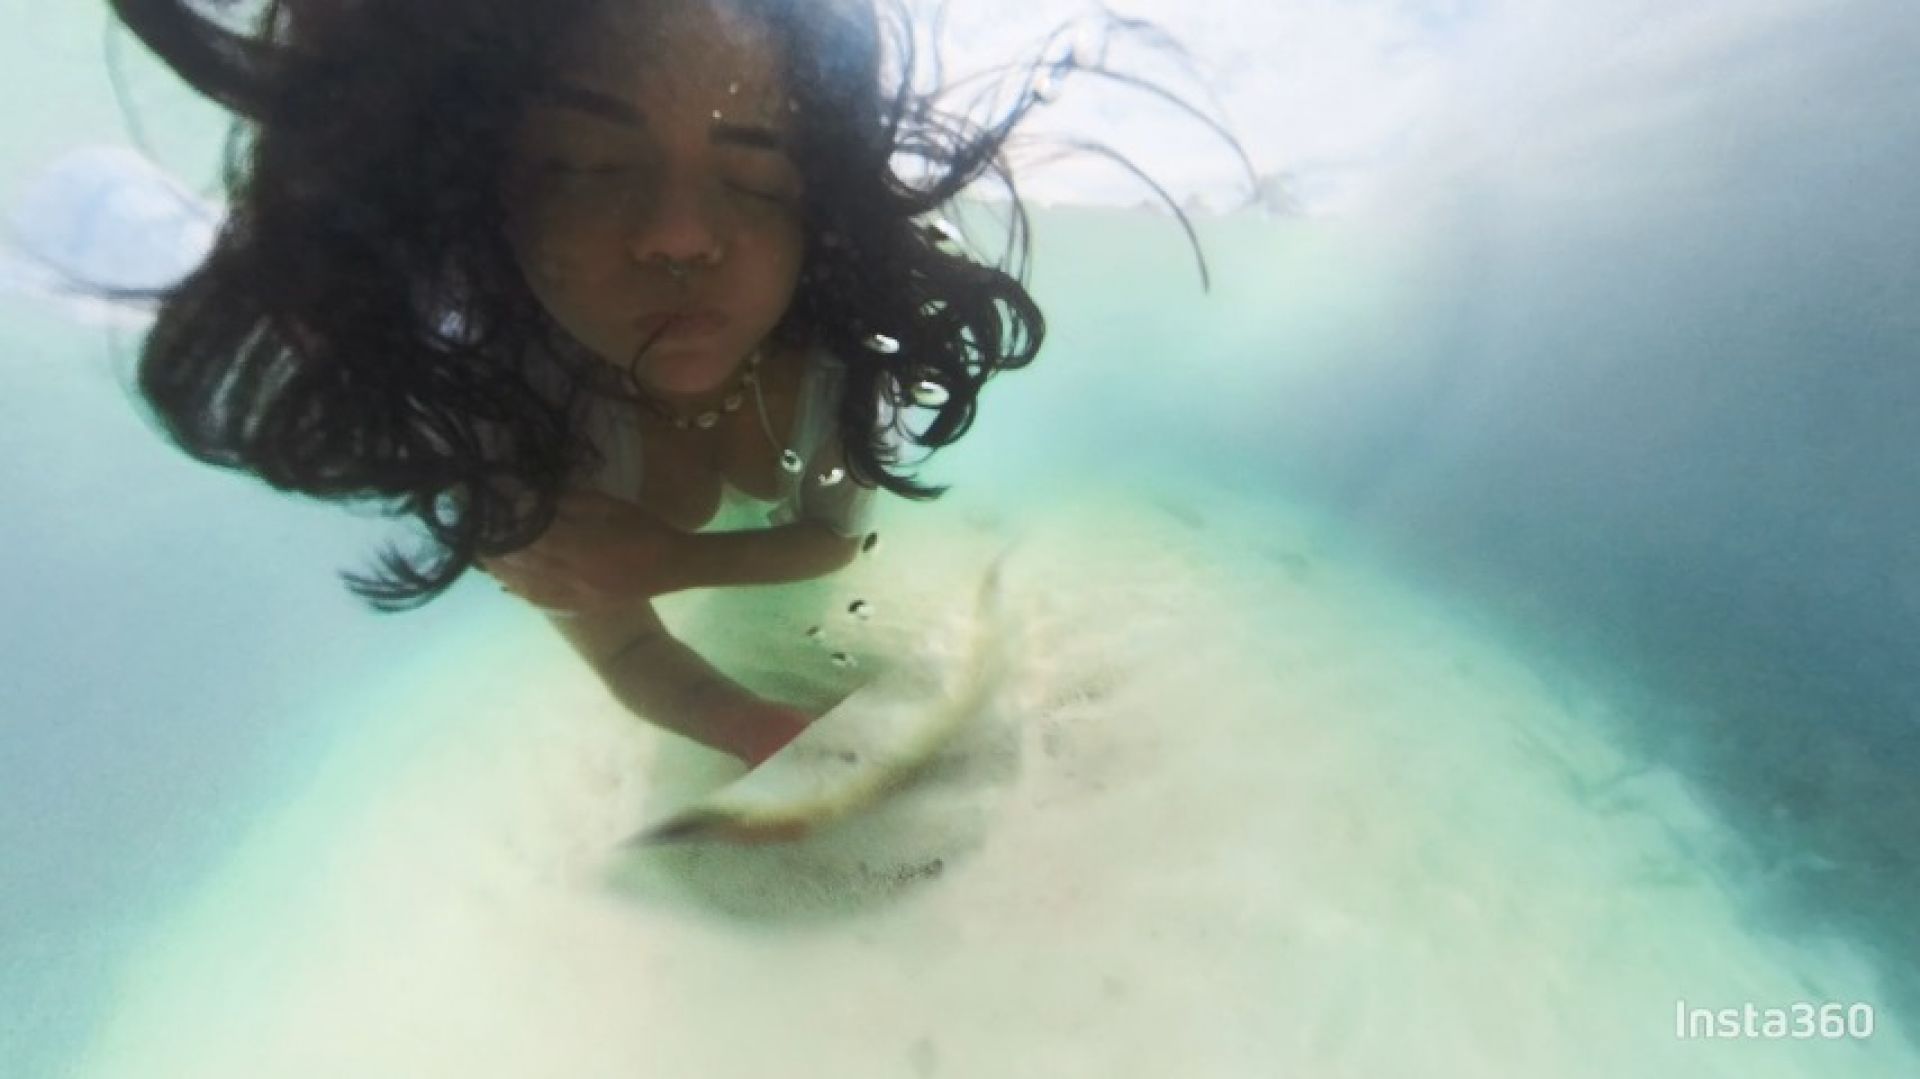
[
  {"x": 501, "y": 574},
  {"x": 508, "y": 565},
  {"x": 551, "y": 588},
  {"x": 587, "y": 506},
  {"x": 548, "y": 597},
  {"x": 572, "y": 543},
  {"x": 543, "y": 558},
  {"x": 566, "y": 600},
  {"x": 521, "y": 580}
]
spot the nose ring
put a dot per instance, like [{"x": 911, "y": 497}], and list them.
[{"x": 680, "y": 271}]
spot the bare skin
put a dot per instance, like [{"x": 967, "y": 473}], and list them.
[
  {"x": 683, "y": 469},
  {"x": 651, "y": 184}
]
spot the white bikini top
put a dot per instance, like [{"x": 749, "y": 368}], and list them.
[{"x": 813, "y": 487}]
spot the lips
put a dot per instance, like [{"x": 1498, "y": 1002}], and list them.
[{"x": 694, "y": 322}]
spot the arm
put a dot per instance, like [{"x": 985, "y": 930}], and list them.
[
  {"x": 832, "y": 525},
  {"x": 604, "y": 555},
  {"x": 661, "y": 680},
  {"x": 792, "y": 552},
  {"x": 668, "y": 684}
]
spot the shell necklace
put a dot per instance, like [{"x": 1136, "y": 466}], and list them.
[{"x": 730, "y": 402}]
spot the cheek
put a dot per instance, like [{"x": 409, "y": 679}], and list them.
[
  {"x": 578, "y": 284},
  {"x": 551, "y": 262},
  {"x": 571, "y": 295},
  {"x": 769, "y": 267},
  {"x": 557, "y": 249}
]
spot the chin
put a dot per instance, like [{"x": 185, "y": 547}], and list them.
[{"x": 690, "y": 370}]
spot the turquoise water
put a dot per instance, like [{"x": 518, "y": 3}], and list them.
[{"x": 1525, "y": 558}]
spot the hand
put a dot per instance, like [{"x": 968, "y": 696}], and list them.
[
  {"x": 754, "y": 729},
  {"x": 600, "y": 552}
]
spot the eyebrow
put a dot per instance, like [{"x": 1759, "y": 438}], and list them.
[{"x": 562, "y": 95}]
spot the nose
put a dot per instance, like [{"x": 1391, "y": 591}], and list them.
[{"x": 680, "y": 223}]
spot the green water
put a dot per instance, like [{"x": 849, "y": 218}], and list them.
[{"x": 1507, "y": 588}]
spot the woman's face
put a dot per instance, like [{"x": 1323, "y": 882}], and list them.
[{"x": 661, "y": 141}]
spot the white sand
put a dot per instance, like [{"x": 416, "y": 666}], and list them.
[{"x": 1242, "y": 809}]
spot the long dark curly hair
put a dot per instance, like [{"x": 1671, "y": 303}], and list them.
[{"x": 362, "y": 317}]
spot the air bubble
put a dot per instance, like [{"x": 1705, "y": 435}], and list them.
[
  {"x": 861, "y": 609},
  {"x": 842, "y": 660},
  {"x": 832, "y": 477},
  {"x": 791, "y": 462},
  {"x": 883, "y": 344},
  {"x": 928, "y": 394}
]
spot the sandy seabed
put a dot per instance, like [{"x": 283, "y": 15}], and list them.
[{"x": 1240, "y": 807}]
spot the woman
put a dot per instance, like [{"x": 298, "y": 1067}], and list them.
[{"x": 558, "y": 280}]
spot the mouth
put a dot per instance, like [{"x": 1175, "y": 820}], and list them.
[{"x": 682, "y": 325}]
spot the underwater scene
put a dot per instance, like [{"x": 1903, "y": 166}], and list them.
[{"x": 1441, "y": 602}]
